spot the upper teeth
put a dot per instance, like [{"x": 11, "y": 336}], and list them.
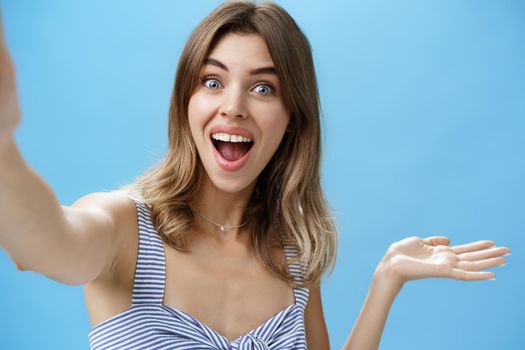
[{"x": 230, "y": 138}]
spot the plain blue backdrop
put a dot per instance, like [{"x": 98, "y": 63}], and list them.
[{"x": 423, "y": 125}]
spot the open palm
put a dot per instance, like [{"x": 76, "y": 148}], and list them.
[{"x": 415, "y": 258}]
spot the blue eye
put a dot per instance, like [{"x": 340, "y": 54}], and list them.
[
  {"x": 268, "y": 87},
  {"x": 210, "y": 78}
]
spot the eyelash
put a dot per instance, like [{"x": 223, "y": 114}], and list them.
[{"x": 262, "y": 82}]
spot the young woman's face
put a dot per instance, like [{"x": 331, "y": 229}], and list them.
[{"x": 238, "y": 99}]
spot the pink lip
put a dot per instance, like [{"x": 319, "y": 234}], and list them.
[{"x": 232, "y": 130}]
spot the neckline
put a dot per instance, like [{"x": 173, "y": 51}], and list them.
[
  {"x": 214, "y": 331},
  {"x": 158, "y": 239},
  {"x": 220, "y": 335}
]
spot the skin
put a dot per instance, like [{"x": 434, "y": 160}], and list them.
[
  {"x": 231, "y": 100},
  {"x": 416, "y": 258},
  {"x": 9, "y": 111},
  {"x": 234, "y": 97},
  {"x": 235, "y": 100}
]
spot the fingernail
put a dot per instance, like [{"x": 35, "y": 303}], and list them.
[
  {"x": 492, "y": 279},
  {"x": 506, "y": 254}
]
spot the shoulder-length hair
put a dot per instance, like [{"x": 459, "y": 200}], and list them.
[{"x": 288, "y": 196}]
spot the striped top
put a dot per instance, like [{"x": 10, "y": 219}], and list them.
[{"x": 148, "y": 324}]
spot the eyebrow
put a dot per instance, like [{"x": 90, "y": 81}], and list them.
[{"x": 262, "y": 70}]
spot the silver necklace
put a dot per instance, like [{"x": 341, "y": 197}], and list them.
[{"x": 222, "y": 227}]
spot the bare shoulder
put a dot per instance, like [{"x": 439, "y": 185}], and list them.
[
  {"x": 110, "y": 293},
  {"x": 316, "y": 332},
  {"x": 120, "y": 210},
  {"x": 112, "y": 202}
]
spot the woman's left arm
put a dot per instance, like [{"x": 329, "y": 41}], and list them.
[{"x": 416, "y": 258}]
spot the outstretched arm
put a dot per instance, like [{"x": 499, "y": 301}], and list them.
[
  {"x": 69, "y": 244},
  {"x": 416, "y": 258}
]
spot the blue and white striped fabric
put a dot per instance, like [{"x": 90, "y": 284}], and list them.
[{"x": 148, "y": 324}]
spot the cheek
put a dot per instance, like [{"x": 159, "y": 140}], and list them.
[
  {"x": 277, "y": 120},
  {"x": 199, "y": 110},
  {"x": 273, "y": 124}
]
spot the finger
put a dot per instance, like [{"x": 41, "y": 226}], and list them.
[
  {"x": 484, "y": 254},
  {"x": 437, "y": 240},
  {"x": 463, "y": 275},
  {"x": 3, "y": 45},
  {"x": 470, "y": 247},
  {"x": 481, "y": 264}
]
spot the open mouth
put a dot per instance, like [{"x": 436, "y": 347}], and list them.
[{"x": 232, "y": 151}]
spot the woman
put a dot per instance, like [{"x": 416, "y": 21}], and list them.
[{"x": 222, "y": 245}]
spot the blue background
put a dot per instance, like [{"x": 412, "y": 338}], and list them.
[{"x": 424, "y": 107}]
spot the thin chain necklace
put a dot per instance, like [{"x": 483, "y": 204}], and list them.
[{"x": 222, "y": 227}]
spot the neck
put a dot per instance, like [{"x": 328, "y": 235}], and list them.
[{"x": 223, "y": 208}]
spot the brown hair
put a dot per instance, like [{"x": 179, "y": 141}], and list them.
[{"x": 288, "y": 193}]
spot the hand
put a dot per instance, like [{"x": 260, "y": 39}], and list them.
[
  {"x": 9, "y": 108},
  {"x": 416, "y": 258}
]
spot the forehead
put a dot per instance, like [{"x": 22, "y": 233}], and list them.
[{"x": 240, "y": 50}]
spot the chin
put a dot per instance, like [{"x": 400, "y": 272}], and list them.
[{"x": 229, "y": 185}]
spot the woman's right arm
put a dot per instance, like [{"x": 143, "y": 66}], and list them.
[{"x": 70, "y": 244}]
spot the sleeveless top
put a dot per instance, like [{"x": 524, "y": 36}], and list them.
[{"x": 148, "y": 324}]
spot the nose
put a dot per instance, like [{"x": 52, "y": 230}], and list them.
[{"x": 233, "y": 103}]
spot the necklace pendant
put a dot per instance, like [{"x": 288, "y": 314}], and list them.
[{"x": 222, "y": 228}]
